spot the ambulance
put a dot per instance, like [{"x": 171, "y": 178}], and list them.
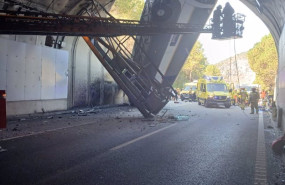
[
  {"x": 189, "y": 91},
  {"x": 213, "y": 90}
]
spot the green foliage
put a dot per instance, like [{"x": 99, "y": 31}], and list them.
[
  {"x": 180, "y": 80},
  {"x": 212, "y": 70},
  {"x": 127, "y": 9},
  {"x": 263, "y": 60},
  {"x": 195, "y": 63},
  {"x": 194, "y": 66}
]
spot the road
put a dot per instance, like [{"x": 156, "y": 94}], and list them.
[{"x": 215, "y": 146}]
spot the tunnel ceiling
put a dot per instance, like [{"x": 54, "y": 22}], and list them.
[{"x": 271, "y": 12}]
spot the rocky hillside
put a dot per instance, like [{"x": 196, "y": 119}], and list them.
[{"x": 229, "y": 70}]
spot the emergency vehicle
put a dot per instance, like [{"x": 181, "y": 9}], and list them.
[
  {"x": 213, "y": 90},
  {"x": 189, "y": 91}
]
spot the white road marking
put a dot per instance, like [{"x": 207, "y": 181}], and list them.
[
  {"x": 140, "y": 138},
  {"x": 260, "y": 176},
  {"x": 46, "y": 131}
]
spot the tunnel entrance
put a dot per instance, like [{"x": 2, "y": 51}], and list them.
[{"x": 168, "y": 69}]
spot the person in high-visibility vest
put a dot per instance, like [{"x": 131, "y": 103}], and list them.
[
  {"x": 263, "y": 94},
  {"x": 235, "y": 96}
]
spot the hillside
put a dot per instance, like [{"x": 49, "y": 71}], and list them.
[{"x": 228, "y": 66}]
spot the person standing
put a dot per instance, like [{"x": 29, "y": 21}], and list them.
[
  {"x": 228, "y": 22},
  {"x": 253, "y": 100},
  {"x": 263, "y": 94},
  {"x": 217, "y": 17},
  {"x": 243, "y": 98}
]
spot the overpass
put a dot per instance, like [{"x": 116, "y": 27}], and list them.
[{"x": 66, "y": 85}]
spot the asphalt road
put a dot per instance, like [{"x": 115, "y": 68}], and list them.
[{"x": 215, "y": 146}]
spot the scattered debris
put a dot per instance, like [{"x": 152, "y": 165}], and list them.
[
  {"x": 92, "y": 111},
  {"x": 171, "y": 116},
  {"x": 176, "y": 102},
  {"x": 270, "y": 127},
  {"x": 182, "y": 118},
  {"x": 2, "y": 149},
  {"x": 117, "y": 117},
  {"x": 152, "y": 125},
  {"x": 22, "y": 119},
  {"x": 82, "y": 113},
  {"x": 50, "y": 117},
  {"x": 15, "y": 129}
]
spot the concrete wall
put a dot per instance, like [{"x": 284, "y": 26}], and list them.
[
  {"x": 281, "y": 77},
  {"x": 89, "y": 84},
  {"x": 32, "y": 73},
  {"x": 34, "y": 106}
]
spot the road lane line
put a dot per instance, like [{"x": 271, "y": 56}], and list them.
[
  {"x": 260, "y": 176},
  {"x": 45, "y": 131},
  {"x": 140, "y": 138}
]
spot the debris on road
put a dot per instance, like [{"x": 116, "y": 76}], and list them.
[
  {"x": 82, "y": 113},
  {"x": 182, "y": 118},
  {"x": 171, "y": 116},
  {"x": 2, "y": 149},
  {"x": 15, "y": 129}
]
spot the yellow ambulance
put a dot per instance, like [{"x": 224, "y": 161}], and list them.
[
  {"x": 213, "y": 90},
  {"x": 189, "y": 91}
]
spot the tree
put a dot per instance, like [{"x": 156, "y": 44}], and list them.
[
  {"x": 194, "y": 66},
  {"x": 263, "y": 60},
  {"x": 181, "y": 79},
  {"x": 212, "y": 70},
  {"x": 195, "y": 63},
  {"x": 127, "y": 9}
]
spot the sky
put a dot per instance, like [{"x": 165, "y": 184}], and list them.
[{"x": 216, "y": 51}]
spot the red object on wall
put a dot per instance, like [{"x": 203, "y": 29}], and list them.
[{"x": 3, "y": 119}]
